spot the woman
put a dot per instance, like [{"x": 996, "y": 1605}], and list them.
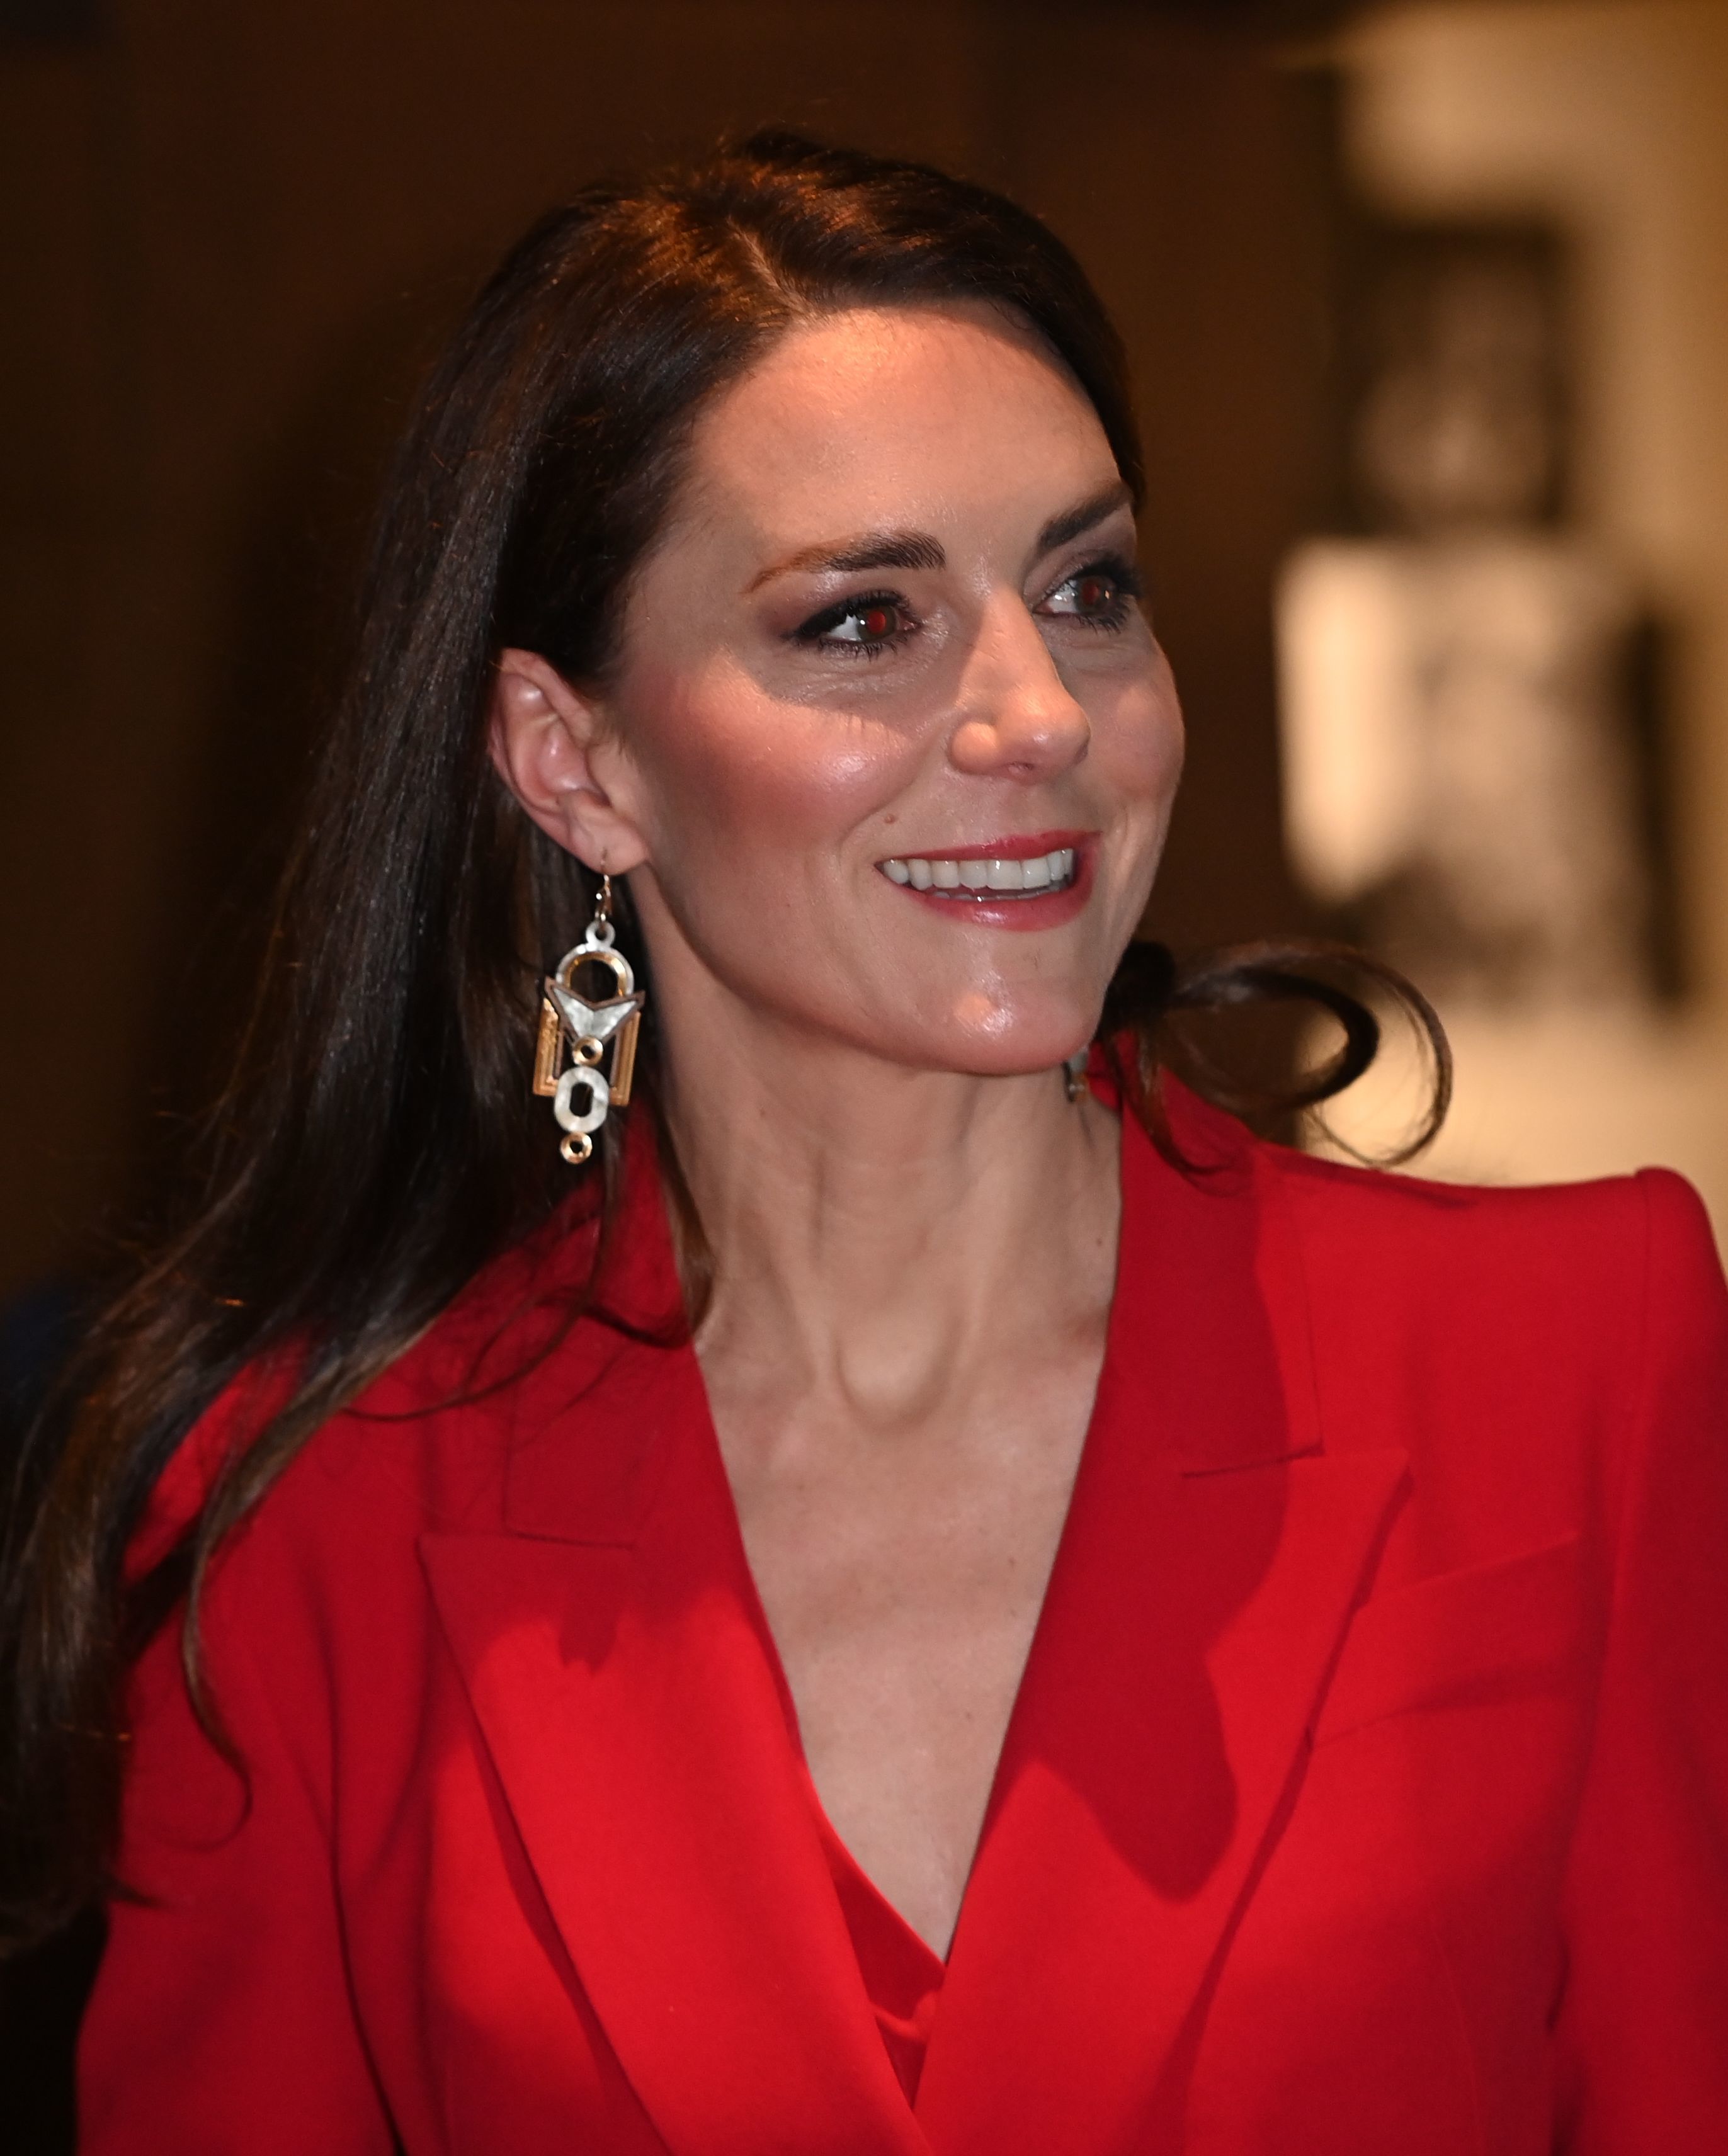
[{"x": 898, "y": 1589}]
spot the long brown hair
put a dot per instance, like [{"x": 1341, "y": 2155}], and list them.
[{"x": 375, "y": 1149}]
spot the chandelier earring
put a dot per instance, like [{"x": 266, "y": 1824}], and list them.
[{"x": 571, "y": 1028}]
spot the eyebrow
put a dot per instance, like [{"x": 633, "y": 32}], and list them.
[
  {"x": 923, "y": 550},
  {"x": 1082, "y": 516},
  {"x": 875, "y": 549}
]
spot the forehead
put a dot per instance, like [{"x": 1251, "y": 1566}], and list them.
[{"x": 926, "y": 415}]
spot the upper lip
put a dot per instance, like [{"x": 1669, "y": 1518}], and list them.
[{"x": 1024, "y": 846}]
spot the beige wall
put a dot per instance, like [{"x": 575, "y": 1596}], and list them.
[{"x": 1612, "y": 116}]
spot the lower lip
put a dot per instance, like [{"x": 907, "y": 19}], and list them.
[{"x": 1049, "y": 910}]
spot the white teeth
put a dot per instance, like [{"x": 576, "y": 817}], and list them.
[{"x": 927, "y": 872}]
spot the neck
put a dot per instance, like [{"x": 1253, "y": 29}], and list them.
[{"x": 881, "y": 1234}]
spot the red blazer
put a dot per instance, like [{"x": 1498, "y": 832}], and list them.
[{"x": 1366, "y": 1794}]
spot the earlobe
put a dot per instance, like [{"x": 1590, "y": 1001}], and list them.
[{"x": 541, "y": 732}]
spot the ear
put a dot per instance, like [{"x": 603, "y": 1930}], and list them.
[{"x": 543, "y": 734}]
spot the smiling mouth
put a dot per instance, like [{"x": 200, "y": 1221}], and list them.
[{"x": 987, "y": 879}]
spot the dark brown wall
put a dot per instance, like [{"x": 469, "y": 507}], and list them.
[{"x": 229, "y": 236}]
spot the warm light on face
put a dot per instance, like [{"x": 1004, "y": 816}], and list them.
[{"x": 895, "y": 727}]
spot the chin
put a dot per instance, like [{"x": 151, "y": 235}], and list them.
[{"x": 1010, "y": 1037}]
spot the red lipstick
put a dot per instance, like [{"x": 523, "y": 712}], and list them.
[{"x": 1023, "y": 911}]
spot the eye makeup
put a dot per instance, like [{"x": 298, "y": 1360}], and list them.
[
  {"x": 877, "y": 621},
  {"x": 1104, "y": 591},
  {"x": 867, "y": 624}
]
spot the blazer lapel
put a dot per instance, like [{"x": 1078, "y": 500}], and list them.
[
  {"x": 1210, "y": 1562},
  {"x": 609, "y": 1650}
]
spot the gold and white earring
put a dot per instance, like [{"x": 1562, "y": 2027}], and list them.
[{"x": 585, "y": 1029}]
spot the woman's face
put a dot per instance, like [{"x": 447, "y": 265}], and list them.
[{"x": 889, "y": 725}]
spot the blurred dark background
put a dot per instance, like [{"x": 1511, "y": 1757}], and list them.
[{"x": 231, "y": 237}]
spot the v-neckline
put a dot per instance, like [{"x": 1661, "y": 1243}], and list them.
[
  {"x": 756, "y": 1610},
  {"x": 1213, "y": 1550}
]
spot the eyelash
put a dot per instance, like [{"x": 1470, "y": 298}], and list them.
[
  {"x": 1114, "y": 569},
  {"x": 818, "y": 630}
]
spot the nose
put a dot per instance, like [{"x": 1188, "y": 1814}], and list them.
[{"x": 1017, "y": 718}]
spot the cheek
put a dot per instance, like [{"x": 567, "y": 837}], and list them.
[
  {"x": 1139, "y": 743},
  {"x": 725, "y": 766}
]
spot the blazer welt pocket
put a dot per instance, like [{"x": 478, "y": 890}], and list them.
[{"x": 1467, "y": 1638}]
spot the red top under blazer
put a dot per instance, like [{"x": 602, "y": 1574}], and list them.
[{"x": 1366, "y": 1794}]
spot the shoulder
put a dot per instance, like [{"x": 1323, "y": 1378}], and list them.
[
  {"x": 1593, "y": 1251},
  {"x": 1523, "y": 1340},
  {"x": 424, "y": 1443}
]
